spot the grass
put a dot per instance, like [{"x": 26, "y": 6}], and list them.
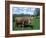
[{"x": 35, "y": 23}]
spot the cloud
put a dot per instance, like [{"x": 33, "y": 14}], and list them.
[{"x": 24, "y": 10}]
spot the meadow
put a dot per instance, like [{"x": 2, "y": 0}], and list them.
[{"x": 35, "y": 24}]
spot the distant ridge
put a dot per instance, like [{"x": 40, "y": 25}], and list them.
[{"x": 22, "y": 15}]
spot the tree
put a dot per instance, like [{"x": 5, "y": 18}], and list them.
[{"x": 37, "y": 12}]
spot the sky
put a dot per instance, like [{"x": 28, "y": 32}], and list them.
[{"x": 23, "y": 10}]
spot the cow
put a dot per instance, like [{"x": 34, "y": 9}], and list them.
[{"x": 22, "y": 21}]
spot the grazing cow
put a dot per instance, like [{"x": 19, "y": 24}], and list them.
[{"x": 22, "y": 21}]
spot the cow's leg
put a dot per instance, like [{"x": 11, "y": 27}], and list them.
[
  {"x": 22, "y": 25},
  {"x": 16, "y": 25}
]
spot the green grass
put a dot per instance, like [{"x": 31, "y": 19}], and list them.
[{"x": 35, "y": 23}]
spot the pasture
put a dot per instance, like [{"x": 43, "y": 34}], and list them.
[{"x": 34, "y": 25}]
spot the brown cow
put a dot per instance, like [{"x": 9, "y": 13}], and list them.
[{"x": 22, "y": 21}]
